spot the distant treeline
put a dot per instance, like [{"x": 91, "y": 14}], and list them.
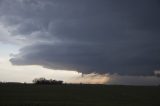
[
  {"x": 11, "y": 83},
  {"x": 47, "y": 82}
]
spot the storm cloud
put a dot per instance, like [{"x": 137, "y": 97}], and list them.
[{"x": 107, "y": 36}]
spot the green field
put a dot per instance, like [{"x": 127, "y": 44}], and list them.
[{"x": 78, "y": 95}]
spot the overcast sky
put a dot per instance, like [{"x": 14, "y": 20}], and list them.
[{"x": 112, "y": 41}]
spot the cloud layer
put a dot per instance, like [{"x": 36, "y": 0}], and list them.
[{"x": 88, "y": 36}]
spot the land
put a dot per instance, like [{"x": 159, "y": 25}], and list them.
[{"x": 78, "y": 95}]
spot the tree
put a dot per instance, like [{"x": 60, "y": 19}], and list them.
[{"x": 47, "y": 82}]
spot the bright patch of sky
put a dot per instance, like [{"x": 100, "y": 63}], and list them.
[
  {"x": 10, "y": 45},
  {"x": 12, "y": 73},
  {"x": 7, "y": 49}
]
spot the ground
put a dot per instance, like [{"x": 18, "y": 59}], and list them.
[{"x": 78, "y": 95}]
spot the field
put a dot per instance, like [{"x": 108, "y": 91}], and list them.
[{"x": 78, "y": 95}]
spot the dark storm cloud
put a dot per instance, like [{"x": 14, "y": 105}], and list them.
[{"x": 89, "y": 36}]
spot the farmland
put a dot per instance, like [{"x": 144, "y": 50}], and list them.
[{"x": 78, "y": 95}]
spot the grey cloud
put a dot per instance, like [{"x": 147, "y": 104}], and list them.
[
  {"x": 133, "y": 80},
  {"x": 157, "y": 73},
  {"x": 89, "y": 36},
  {"x": 88, "y": 58}
]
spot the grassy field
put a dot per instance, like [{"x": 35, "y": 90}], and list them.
[{"x": 78, "y": 95}]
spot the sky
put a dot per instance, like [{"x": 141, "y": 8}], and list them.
[{"x": 89, "y": 41}]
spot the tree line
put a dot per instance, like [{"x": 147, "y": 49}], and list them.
[{"x": 47, "y": 82}]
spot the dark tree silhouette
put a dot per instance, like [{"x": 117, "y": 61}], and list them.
[{"x": 47, "y": 82}]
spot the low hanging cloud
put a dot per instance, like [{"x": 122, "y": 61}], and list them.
[
  {"x": 87, "y": 36},
  {"x": 133, "y": 80},
  {"x": 92, "y": 78}
]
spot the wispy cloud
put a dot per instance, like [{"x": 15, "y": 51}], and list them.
[{"x": 92, "y": 78}]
